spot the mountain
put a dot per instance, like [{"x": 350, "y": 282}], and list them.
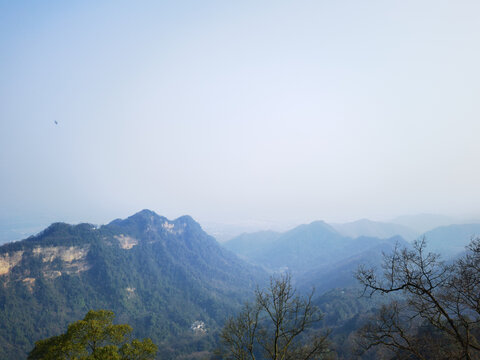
[
  {"x": 314, "y": 251},
  {"x": 451, "y": 240},
  {"x": 297, "y": 250},
  {"x": 247, "y": 245},
  {"x": 366, "y": 251},
  {"x": 158, "y": 275},
  {"x": 226, "y": 231},
  {"x": 423, "y": 222},
  {"x": 304, "y": 247},
  {"x": 365, "y": 227}
]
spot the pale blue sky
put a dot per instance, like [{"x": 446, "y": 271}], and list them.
[{"x": 248, "y": 110}]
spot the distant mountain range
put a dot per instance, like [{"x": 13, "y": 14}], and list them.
[
  {"x": 422, "y": 223},
  {"x": 450, "y": 241},
  {"x": 307, "y": 248},
  {"x": 327, "y": 255},
  {"x": 365, "y": 227},
  {"x": 158, "y": 275},
  {"x": 408, "y": 226}
]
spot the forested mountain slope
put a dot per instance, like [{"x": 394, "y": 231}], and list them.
[
  {"x": 311, "y": 249},
  {"x": 158, "y": 275}
]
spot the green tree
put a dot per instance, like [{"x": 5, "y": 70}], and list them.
[
  {"x": 279, "y": 325},
  {"x": 94, "y": 338}
]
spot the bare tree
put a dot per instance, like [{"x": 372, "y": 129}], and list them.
[
  {"x": 279, "y": 325},
  {"x": 438, "y": 313}
]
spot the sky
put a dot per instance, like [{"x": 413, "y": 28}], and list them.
[{"x": 234, "y": 111}]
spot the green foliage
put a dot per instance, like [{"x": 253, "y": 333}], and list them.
[
  {"x": 94, "y": 338},
  {"x": 138, "y": 350}
]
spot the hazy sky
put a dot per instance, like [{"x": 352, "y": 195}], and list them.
[{"x": 239, "y": 110}]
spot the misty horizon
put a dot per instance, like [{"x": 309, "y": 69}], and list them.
[
  {"x": 18, "y": 229},
  {"x": 276, "y": 113}
]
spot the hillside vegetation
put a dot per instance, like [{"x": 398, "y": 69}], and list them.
[{"x": 159, "y": 276}]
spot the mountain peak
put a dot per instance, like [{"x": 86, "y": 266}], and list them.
[
  {"x": 142, "y": 218},
  {"x": 145, "y": 214},
  {"x": 149, "y": 216},
  {"x": 188, "y": 221},
  {"x": 318, "y": 225},
  {"x": 61, "y": 229}
]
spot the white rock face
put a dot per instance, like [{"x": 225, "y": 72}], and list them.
[
  {"x": 126, "y": 242},
  {"x": 67, "y": 254},
  {"x": 199, "y": 327},
  {"x": 9, "y": 260},
  {"x": 130, "y": 292},
  {"x": 169, "y": 227},
  {"x": 73, "y": 262},
  {"x": 74, "y": 258}
]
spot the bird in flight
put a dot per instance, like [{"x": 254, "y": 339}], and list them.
[{"x": 55, "y": 121}]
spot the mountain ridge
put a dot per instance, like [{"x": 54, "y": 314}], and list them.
[
  {"x": 382, "y": 230},
  {"x": 159, "y": 275},
  {"x": 451, "y": 240}
]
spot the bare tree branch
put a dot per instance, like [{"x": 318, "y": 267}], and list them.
[
  {"x": 437, "y": 297},
  {"x": 279, "y": 327}
]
